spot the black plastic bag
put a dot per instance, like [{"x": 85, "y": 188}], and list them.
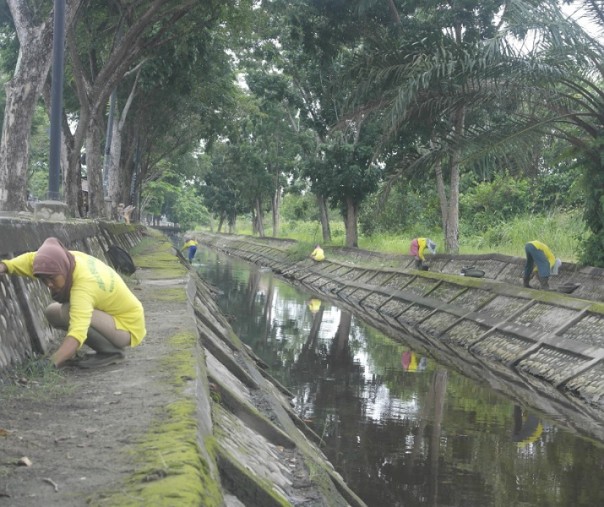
[{"x": 121, "y": 260}]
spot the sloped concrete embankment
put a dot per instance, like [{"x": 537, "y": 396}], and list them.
[
  {"x": 264, "y": 453},
  {"x": 544, "y": 348},
  {"x": 23, "y": 331}
]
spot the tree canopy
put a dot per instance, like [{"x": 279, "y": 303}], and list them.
[{"x": 222, "y": 108}]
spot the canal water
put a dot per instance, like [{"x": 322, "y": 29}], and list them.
[{"x": 401, "y": 429}]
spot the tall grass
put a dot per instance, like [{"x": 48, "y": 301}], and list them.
[{"x": 561, "y": 231}]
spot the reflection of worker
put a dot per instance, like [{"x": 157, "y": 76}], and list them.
[
  {"x": 410, "y": 362},
  {"x": 539, "y": 258},
  {"x": 317, "y": 254},
  {"x": 191, "y": 247},
  {"x": 417, "y": 248},
  {"x": 527, "y": 428},
  {"x": 92, "y": 302},
  {"x": 314, "y": 305}
]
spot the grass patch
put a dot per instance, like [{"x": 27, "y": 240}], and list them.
[{"x": 33, "y": 380}]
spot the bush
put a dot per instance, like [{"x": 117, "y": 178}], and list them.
[{"x": 491, "y": 203}]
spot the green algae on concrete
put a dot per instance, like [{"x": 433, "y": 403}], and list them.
[
  {"x": 167, "y": 294},
  {"x": 158, "y": 254},
  {"x": 171, "y": 469}
]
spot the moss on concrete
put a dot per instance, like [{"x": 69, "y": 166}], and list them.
[
  {"x": 177, "y": 295},
  {"x": 170, "y": 469},
  {"x": 157, "y": 254}
]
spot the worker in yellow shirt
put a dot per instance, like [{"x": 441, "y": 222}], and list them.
[
  {"x": 191, "y": 247},
  {"x": 317, "y": 254},
  {"x": 417, "y": 249},
  {"x": 91, "y": 303},
  {"x": 539, "y": 258}
]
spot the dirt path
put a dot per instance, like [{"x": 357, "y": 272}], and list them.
[{"x": 78, "y": 430}]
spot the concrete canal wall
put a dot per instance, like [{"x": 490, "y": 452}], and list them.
[
  {"x": 205, "y": 424},
  {"x": 543, "y": 348}
]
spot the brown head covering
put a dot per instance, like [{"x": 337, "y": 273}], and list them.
[{"x": 52, "y": 259}]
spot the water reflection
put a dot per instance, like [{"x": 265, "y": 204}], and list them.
[{"x": 399, "y": 427}]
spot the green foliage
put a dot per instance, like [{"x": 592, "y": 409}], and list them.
[
  {"x": 188, "y": 210},
  {"x": 299, "y": 207},
  {"x": 409, "y": 209},
  {"x": 492, "y": 202}
]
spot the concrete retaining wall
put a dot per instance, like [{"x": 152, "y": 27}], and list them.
[
  {"x": 23, "y": 328},
  {"x": 542, "y": 347}
]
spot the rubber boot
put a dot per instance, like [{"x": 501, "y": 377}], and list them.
[
  {"x": 419, "y": 264},
  {"x": 544, "y": 283},
  {"x": 526, "y": 281}
]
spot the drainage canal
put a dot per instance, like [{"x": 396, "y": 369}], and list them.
[{"x": 400, "y": 428}]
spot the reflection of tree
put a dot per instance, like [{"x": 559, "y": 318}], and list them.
[
  {"x": 308, "y": 352},
  {"x": 436, "y": 399},
  {"x": 339, "y": 350}
]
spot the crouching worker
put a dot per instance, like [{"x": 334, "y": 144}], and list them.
[
  {"x": 417, "y": 248},
  {"x": 92, "y": 303},
  {"x": 539, "y": 258},
  {"x": 317, "y": 254}
]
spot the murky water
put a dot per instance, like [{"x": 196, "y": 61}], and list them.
[{"x": 400, "y": 428}]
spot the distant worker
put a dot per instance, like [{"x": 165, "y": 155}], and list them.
[
  {"x": 191, "y": 246},
  {"x": 127, "y": 213},
  {"x": 417, "y": 248},
  {"x": 539, "y": 258},
  {"x": 317, "y": 254}
]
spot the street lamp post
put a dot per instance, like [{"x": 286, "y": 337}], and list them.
[{"x": 56, "y": 107}]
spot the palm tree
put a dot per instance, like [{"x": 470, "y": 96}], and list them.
[{"x": 469, "y": 90}]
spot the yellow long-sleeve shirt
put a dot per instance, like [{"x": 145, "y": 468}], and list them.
[
  {"x": 545, "y": 249},
  {"x": 189, "y": 243},
  {"x": 95, "y": 286}
]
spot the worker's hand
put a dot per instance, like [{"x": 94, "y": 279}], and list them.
[{"x": 3, "y": 268}]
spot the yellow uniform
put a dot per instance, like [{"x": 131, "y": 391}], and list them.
[
  {"x": 95, "y": 286},
  {"x": 318, "y": 254}
]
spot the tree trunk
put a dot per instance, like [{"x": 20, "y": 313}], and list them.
[
  {"x": 276, "y": 205},
  {"x": 94, "y": 166},
  {"x": 324, "y": 217},
  {"x": 22, "y": 92},
  {"x": 72, "y": 183},
  {"x": 117, "y": 172},
  {"x": 259, "y": 219},
  {"x": 442, "y": 195},
  {"x": 452, "y": 232},
  {"x": 352, "y": 237}
]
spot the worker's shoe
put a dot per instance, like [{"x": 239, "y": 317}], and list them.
[
  {"x": 100, "y": 359},
  {"x": 419, "y": 264},
  {"x": 544, "y": 283},
  {"x": 526, "y": 282}
]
